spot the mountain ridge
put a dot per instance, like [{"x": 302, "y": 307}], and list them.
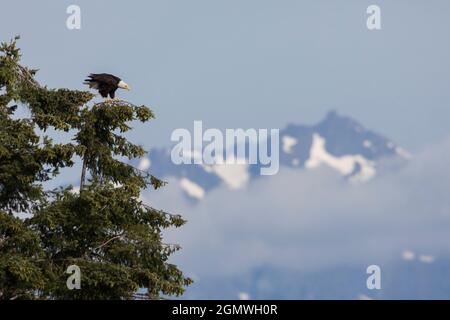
[{"x": 337, "y": 141}]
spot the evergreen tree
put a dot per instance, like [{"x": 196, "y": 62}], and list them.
[{"x": 105, "y": 228}]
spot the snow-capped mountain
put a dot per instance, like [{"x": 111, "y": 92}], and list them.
[{"x": 337, "y": 141}]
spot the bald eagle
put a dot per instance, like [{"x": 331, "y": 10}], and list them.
[{"x": 105, "y": 83}]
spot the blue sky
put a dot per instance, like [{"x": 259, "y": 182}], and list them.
[{"x": 254, "y": 63}]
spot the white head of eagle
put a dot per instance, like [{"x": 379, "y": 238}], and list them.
[{"x": 106, "y": 84}]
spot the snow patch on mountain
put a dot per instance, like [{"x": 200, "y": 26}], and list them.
[
  {"x": 408, "y": 255},
  {"x": 243, "y": 296},
  {"x": 236, "y": 176},
  {"x": 288, "y": 142},
  {"x": 192, "y": 189},
  {"x": 426, "y": 258},
  {"x": 403, "y": 153},
  {"x": 367, "y": 143},
  {"x": 346, "y": 165}
]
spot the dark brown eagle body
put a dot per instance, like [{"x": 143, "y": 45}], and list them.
[{"x": 105, "y": 83}]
